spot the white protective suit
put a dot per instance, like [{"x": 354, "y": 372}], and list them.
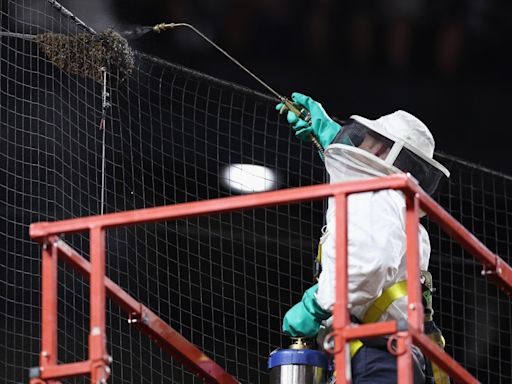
[{"x": 376, "y": 235}]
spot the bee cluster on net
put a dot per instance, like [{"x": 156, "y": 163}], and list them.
[{"x": 85, "y": 53}]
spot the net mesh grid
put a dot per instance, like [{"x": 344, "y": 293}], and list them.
[{"x": 223, "y": 281}]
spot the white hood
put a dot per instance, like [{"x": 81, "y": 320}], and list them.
[{"x": 344, "y": 163}]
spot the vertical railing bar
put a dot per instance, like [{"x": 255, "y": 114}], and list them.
[
  {"x": 341, "y": 318},
  {"x": 97, "y": 338},
  {"x": 403, "y": 357},
  {"x": 49, "y": 297},
  {"x": 414, "y": 304}
]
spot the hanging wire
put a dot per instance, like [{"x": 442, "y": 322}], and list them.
[
  {"x": 67, "y": 13},
  {"x": 105, "y": 105}
]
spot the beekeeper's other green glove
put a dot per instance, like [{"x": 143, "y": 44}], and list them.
[{"x": 305, "y": 317}]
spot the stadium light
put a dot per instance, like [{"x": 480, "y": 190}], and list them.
[{"x": 248, "y": 178}]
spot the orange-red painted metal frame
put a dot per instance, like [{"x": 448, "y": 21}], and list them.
[
  {"x": 141, "y": 317},
  {"x": 494, "y": 268},
  {"x": 48, "y": 356}
]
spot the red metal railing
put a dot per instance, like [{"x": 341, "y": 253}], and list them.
[{"x": 49, "y": 371}]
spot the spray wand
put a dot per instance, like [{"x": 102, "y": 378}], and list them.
[{"x": 300, "y": 112}]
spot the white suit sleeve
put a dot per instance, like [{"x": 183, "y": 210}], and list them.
[{"x": 376, "y": 246}]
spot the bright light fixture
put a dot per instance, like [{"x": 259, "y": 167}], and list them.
[{"x": 248, "y": 178}]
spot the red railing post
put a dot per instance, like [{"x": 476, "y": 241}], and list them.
[
  {"x": 98, "y": 355},
  {"x": 49, "y": 320},
  {"x": 341, "y": 318},
  {"x": 414, "y": 305},
  {"x": 400, "y": 345}
]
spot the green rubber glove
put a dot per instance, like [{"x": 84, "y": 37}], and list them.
[
  {"x": 321, "y": 125},
  {"x": 305, "y": 317}
]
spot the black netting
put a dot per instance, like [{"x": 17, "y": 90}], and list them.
[
  {"x": 475, "y": 317},
  {"x": 223, "y": 281}
]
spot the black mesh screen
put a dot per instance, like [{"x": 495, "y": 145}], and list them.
[{"x": 223, "y": 281}]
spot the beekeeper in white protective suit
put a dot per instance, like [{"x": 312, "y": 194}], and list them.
[{"x": 357, "y": 149}]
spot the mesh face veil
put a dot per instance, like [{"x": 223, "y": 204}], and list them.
[{"x": 401, "y": 141}]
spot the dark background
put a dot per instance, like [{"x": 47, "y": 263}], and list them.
[
  {"x": 171, "y": 130},
  {"x": 446, "y": 61}
]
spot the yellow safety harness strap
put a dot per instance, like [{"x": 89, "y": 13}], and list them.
[
  {"x": 440, "y": 376},
  {"x": 379, "y": 306},
  {"x": 355, "y": 346},
  {"x": 318, "y": 263},
  {"x": 388, "y": 296}
]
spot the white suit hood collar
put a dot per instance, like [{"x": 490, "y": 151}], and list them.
[{"x": 345, "y": 163}]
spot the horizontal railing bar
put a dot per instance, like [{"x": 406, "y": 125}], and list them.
[
  {"x": 370, "y": 330},
  {"x": 215, "y": 206},
  {"x": 495, "y": 268},
  {"x": 65, "y": 371}
]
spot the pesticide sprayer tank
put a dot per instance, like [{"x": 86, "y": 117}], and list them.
[{"x": 297, "y": 365}]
